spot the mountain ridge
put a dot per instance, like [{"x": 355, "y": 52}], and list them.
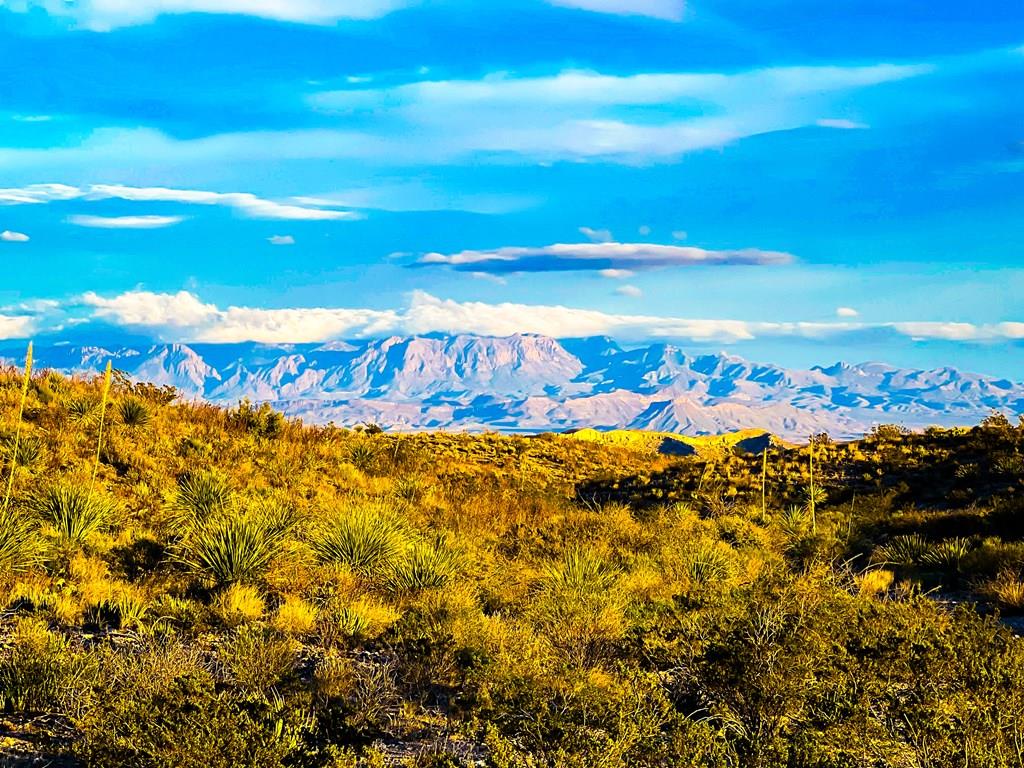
[{"x": 528, "y": 382}]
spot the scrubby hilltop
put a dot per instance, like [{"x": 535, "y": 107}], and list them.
[
  {"x": 528, "y": 383},
  {"x": 235, "y": 588}
]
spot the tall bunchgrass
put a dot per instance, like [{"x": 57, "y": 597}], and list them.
[{"x": 17, "y": 430}]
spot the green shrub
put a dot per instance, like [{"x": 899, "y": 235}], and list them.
[
  {"x": 159, "y": 707},
  {"x": 41, "y": 672}
]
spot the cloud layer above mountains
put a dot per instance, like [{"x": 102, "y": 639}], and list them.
[{"x": 183, "y": 316}]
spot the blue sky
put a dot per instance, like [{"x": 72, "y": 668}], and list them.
[{"x": 792, "y": 181}]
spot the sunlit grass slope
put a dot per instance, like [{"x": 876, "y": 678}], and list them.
[{"x": 186, "y": 585}]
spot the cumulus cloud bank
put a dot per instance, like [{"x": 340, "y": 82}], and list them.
[
  {"x": 184, "y": 317},
  {"x": 610, "y": 259}
]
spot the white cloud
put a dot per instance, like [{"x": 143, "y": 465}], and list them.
[
  {"x": 679, "y": 234},
  {"x": 574, "y": 115},
  {"x": 670, "y": 10},
  {"x": 103, "y": 15},
  {"x": 7, "y": 236},
  {"x": 841, "y": 124},
  {"x": 596, "y": 235},
  {"x": 245, "y": 203},
  {"x": 630, "y": 291},
  {"x": 931, "y": 331},
  {"x": 38, "y": 193},
  {"x": 281, "y": 240},
  {"x": 125, "y": 222},
  {"x": 15, "y": 327},
  {"x": 183, "y": 316},
  {"x": 32, "y": 118},
  {"x": 585, "y": 114},
  {"x": 644, "y": 230},
  {"x": 599, "y": 256},
  {"x": 846, "y": 312},
  {"x": 616, "y": 274}
]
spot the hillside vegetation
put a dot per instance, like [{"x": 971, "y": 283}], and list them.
[{"x": 185, "y": 585}]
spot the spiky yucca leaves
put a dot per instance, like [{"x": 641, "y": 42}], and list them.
[
  {"x": 237, "y": 544},
  {"x": 581, "y": 571},
  {"x": 947, "y": 554},
  {"x": 902, "y": 550},
  {"x": 578, "y": 608},
  {"x": 201, "y": 496},
  {"x": 19, "y": 542},
  {"x": 133, "y": 412},
  {"x": 425, "y": 565},
  {"x": 82, "y": 409},
  {"x": 365, "y": 538},
  {"x": 72, "y": 512},
  {"x": 708, "y": 562},
  {"x": 229, "y": 550}
]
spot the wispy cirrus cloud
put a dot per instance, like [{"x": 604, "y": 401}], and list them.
[
  {"x": 669, "y": 10},
  {"x": 104, "y": 15},
  {"x": 585, "y": 114},
  {"x": 610, "y": 258},
  {"x": 245, "y": 203},
  {"x": 573, "y": 115},
  {"x": 125, "y": 222}
]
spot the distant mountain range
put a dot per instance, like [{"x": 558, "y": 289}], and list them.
[{"x": 535, "y": 383}]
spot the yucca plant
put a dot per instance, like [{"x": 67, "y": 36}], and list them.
[
  {"x": 18, "y": 542},
  {"x": 365, "y": 539},
  {"x": 72, "y": 511},
  {"x": 947, "y": 554},
  {"x": 201, "y": 496},
  {"x": 231, "y": 549},
  {"x": 902, "y": 550},
  {"x": 133, "y": 412},
  {"x": 82, "y": 408},
  {"x": 707, "y": 563},
  {"x": 426, "y": 565},
  {"x": 581, "y": 571}
]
